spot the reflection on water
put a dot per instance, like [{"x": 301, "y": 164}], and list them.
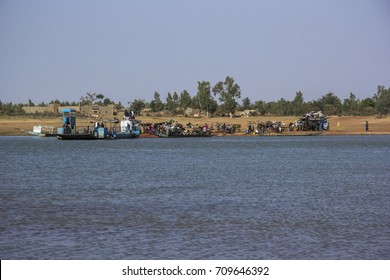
[{"x": 199, "y": 198}]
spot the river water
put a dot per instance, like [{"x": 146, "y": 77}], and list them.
[{"x": 200, "y": 198}]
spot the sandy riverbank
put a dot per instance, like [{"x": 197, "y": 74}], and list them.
[{"x": 349, "y": 125}]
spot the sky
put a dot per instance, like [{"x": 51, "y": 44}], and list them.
[{"x": 129, "y": 49}]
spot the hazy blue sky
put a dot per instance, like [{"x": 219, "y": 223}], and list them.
[{"x": 130, "y": 49}]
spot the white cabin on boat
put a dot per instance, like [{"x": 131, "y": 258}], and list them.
[{"x": 129, "y": 126}]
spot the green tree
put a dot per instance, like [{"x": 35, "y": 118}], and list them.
[
  {"x": 260, "y": 107},
  {"x": 175, "y": 99},
  {"x": 119, "y": 106},
  {"x": 298, "y": 104},
  {"x": 228, "y": 92},
  {"x": 195, "y": 102},
  {"x": 246, "y": 104},
  {"x": 88, "y": 99},
  {"x": 351, "y": 105},
  {"x": 204, "y": 99},
  {"x": 156, "y": 104},
  {"x": 99, "y": 99},
  {"x": 137, "y": 106},
  {"x": 30, "y": 103},
  {"x": 9, "y": 109},
  {"x": 330, "y": 104},
  {"x": 382, "y": 100},
  {"x": 281, "y": 107},
  {"x": 367, "y": 106},
  {"x": 184, "y": 100},
  {"x": 107, "y": 101},
  {"x": 171, "y": 103}
]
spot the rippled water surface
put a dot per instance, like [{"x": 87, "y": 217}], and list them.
[{"x": 200, "y": 198}]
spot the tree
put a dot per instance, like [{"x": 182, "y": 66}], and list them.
[
  {"x": 88, "y": 99},
  {"x": 119, "y": 106},
  {"x": 9, "y": 109},
  {"x": 171, "y": 104},
  {"x": 298, "y": 108},
  {"x": 228, "y": 92},
  {"x": 195, "y": 102},
  {"x": 330, "y": 104},
  {"x": 259, "y": 106},
  {"x": 99, "y": 97},
  {"x": 246, "y": 104},
  {"x": 350, "y": 105},
  {"x": 30, "y": 103},
  {"x": 156, "y": 105},
  {"x": 281, "y": 107},
  {"x": 367, "y": 106},
  {"x": 56, "y": 101},
  {"x": 107, "y": 101},
  {"x": 204, "y": 99},
  {"x": 184, "y": 100},
  {"x": 137, "y": 106},
  {"x": 175, "y": 99},
  {"x": 382, "y": 100}
]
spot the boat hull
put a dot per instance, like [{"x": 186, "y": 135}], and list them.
[
  {"x": 124, "y": 136},
  {"x": 163, "y": 135},
  {"x": 77, "y": 137},
  {"x": 95, "y": 136}
]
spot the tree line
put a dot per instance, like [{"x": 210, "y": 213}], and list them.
[
  {"x": 224, "y": 99},
  {"x": 228, "y": 94}
]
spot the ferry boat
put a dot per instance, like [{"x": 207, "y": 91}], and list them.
[{"x": 69, "y": 131}]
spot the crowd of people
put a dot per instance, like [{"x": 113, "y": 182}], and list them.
[{"x": 173, "y": 128}]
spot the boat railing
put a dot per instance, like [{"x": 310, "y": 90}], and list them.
[
  {"x": 91, "y": 129},
  {"x": 83, "y": 130},
  {"x": 76, "y": 130}
]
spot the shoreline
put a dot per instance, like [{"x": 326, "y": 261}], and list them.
[
  {"x": 239, "y": 134},
  {"x": 19, "y": 126}
]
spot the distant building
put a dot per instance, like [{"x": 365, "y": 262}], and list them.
[
  {"x": 192, "y": 112},
  {"x": 52, "y": 108},
  {"x": 246, "y": 113},
  {"x": 94, "y": 111}
]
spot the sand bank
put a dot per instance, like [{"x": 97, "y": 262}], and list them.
[{"x": 348, "y": 125}]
